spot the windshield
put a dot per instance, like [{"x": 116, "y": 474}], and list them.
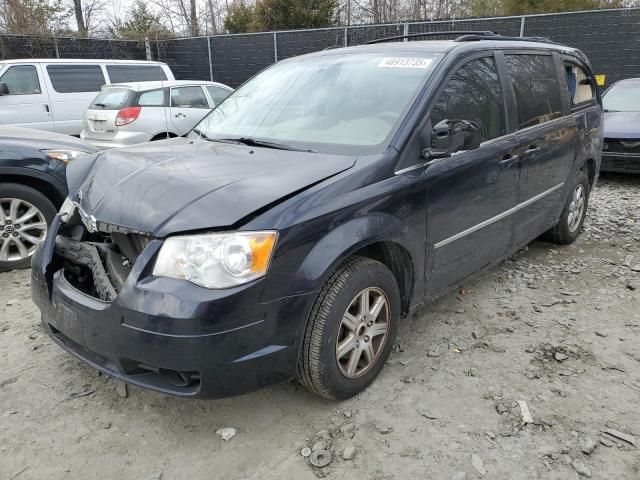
[
  {"x": 113, "y": 99},
  {"x": 622, "y": 98},
  {"x": 353, "y": 99}
]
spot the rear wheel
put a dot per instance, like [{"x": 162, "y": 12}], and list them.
[
  {"x": 25, "y": 214},
  {"x": 351, "y": 329},
  {"x": 568, "y": 228}
]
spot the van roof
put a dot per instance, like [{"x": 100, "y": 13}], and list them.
[{"x": 78, "y": 60}]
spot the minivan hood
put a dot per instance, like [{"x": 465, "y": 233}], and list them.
[
  {"x": 622, "y": 124},
  {"x": 180, "y": 185}
]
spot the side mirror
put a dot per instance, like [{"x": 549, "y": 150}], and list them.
[
  {"x": 4, "y": 89},
  {"x": 450, "y": 136}
]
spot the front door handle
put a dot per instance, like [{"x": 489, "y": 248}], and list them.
[
  {"x": 180, "y": 115},
  {"x": 509, "y": 160},
  {"x": 532, "y": 150}
]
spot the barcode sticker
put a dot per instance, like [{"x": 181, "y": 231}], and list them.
[{"x": 404, "y": 62}]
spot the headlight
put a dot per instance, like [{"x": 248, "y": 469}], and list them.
[
  {"x": 64, "y": 156},
  {"x": 217, "y": 260}
]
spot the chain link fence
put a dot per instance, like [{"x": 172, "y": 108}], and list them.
[{"x": 610, "y": 38}]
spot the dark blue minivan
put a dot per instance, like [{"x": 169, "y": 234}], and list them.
[{"x": 290, "y": 232}]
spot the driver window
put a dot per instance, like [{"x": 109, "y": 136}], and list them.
[
  {"x": 474, "y": 94},
  {"x": 21, "y": 80}
]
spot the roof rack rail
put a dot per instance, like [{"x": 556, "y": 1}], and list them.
[
  {"x": 472, "y": 37},
  {"x": 465, "y": 36},
  {"x": 478, "y": 34}
]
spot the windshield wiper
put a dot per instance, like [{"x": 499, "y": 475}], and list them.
[
  {"x": 252, "y": 142},
  {"x": 201, "y": 134},
  {"x": 100, "y": 105},
  {"x": 609, "y": 111}
]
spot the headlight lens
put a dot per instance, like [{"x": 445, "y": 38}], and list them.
[
  {"x": 64, "y": 156},
  {"x": 217, "y": 260}
]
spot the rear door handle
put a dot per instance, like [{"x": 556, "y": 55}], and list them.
[
  {"x": 509, "y": 160},
  {"x": 46, "y": 108},
  {"x": 532, "y": 150},
  {"x": 180, "y": 115}
]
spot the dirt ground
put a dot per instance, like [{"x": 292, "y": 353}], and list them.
[{"x": 557, "y": 328}]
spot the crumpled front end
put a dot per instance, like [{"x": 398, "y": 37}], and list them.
[{"x": 100, "y": 302}]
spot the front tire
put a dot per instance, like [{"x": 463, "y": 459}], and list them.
[
  {"x": 568, "y": 228},
  {"x": 351, "y": 329},
  {"x": 25, "y": 215}
]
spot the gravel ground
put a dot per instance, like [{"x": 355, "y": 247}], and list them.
[{"x": 555, "y": 328}]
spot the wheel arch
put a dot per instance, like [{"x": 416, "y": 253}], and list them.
[
  {"x": 55, "y": 193},
  {"x": 163, "y": 136}
]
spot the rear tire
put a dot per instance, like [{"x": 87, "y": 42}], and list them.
[
  {"x": 338, "y": 318},
  {"x": 20, "y": 228},
  {"x": 568, "y": 228}
]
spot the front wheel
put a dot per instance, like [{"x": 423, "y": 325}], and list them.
[
  {"x": 351, "y": 329},
  {"x": 25, "y": 214},
  {"x": 568, "y": 228}
]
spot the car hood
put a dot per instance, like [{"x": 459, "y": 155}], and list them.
[
  {"x": 41, "y": 139},
  {"x": 622, "y": 124},
  {"x": 180, "y": 185}
]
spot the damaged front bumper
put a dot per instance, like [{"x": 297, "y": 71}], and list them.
[{"x": 161, "y": 333}]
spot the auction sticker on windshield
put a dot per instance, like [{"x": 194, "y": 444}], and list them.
[{"x": 404, "y": 62}]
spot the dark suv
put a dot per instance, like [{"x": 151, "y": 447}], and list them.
[
  {"x": 320, "y": 203},
  {"x": 33, "y": 186}
]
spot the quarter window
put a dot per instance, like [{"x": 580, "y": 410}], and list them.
[
  {"x": 76, "y": 78},
  {"x": 218, "y": 94},
  {"x": 535, "y": 83},
  {"x": 188, "y": 97},
  {"x": 22, "y": 80},
  {"x": 152, "y": 98},
  {"x": 581, "y": 87},
  {"x": 474, "y": 94}
]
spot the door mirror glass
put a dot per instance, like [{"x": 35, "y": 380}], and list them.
[
  {"x": 451, "y": 136},
  {"x": 4, "y": 89}
]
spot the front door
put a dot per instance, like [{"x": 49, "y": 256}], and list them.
[
  {"x": 27, "y": 104},
  {"x": 548, "y": 140},
  {"x": 471, "y": 194}
]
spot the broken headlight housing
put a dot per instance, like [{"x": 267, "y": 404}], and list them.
[{"x": 216, "y": 260}]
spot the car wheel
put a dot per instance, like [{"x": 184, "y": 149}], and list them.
[
  {"x": 568, "y": 228},
  {"x": 351, "y": 329},
  {"x": 25, "y": 215}
]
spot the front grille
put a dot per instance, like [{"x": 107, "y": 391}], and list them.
[
  {"x": 617, "y": 145},
  {"x": 97, "y": 263}
]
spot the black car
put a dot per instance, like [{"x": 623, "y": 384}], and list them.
[
  {"x": 319, "y": 204},
  {"x": 32, "y": 187},
  {"x": 621, "y": 149}
]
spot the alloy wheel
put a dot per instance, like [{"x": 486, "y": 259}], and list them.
[
  {"x": 22, "y": 228},
  {"x": 576, "y": 207},
  {"x": 363, "y": 332}
]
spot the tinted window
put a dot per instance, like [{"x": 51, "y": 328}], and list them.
[
  {"x": 581, "y": 87},
  {"x": 188, "y": 97},
  {"x": 535, "y": 83},
  {"x": 76, "y": 78},
  {"x": 135, "y": 73},
  {"x": 113, "y": 99},
  {"x": 152, "y": 98},
  {"x": 218, "y": 94},
  {"x": 474, "y": 94},
  {"x": 21, "y": 80}
]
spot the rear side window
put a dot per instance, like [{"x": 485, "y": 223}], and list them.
[
  {"x": 536, "y": 87},
  {"x": 218, "y": 94},
  {"x": 152, "y": 98},
  {"x": 22, "y": 80},
  {"x": 188, "y": 97},
  {"x": 135, "y": 73},
  {"x": 581, "y": 87},
  {"x": 113, "y": 99},
  {"x": 474, "y": 94},
  {"x": 76, "y": 78}
]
